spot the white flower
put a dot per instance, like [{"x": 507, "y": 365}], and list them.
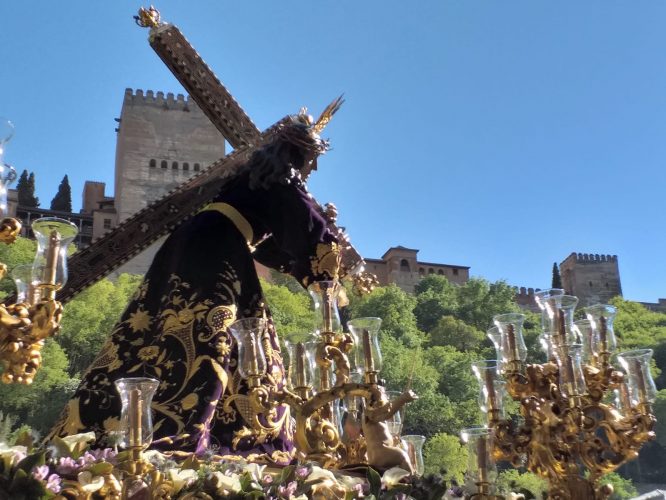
[
  {"x": 89, "y": 482},
  {"x": 255, "y": 470},
  {"x": 86, "y": 437},
  {"x": 393, "y": 476},
  {"x": 318, "y": 474},
  {"x": 11, "y": 455},
  {"x": 182, "y": 478},
  {"x": 227, "y": 483}
]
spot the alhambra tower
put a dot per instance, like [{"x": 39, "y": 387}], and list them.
[{"x": 162, "y": 141}]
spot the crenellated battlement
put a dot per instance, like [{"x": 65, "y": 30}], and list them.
[
  {"x": 137, "y": 97},
  {"x": 525, "y": 297},
  {"x": 590, "y": 258}
]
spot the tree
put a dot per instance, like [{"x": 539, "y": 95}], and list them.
[
  {"x": 26, "y": 190},
  {"x": 527, "y": 483},
  {"x": 291, "y": 312},
  {"x": 443, "y": 454},
  {"x": 39, "y": 404},
  {"x": 85, "y": 325},
  {"x": 63, "y": 199},
  {"x": 435, "y": 297},
  {"x": 450, "y": 331},
  {"x": 396, "y": 308},
  {"x": 557, "y": 279},
  {"x": 21, "y": 252}
]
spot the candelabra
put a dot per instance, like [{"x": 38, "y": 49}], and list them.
[
  {"x": 582, "y": 417},
  {"x": 36, "y": 315},
  {"x": 323, "y": 372}
]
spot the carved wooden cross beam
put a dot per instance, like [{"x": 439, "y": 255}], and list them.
[{"x": 158, "y": 219}]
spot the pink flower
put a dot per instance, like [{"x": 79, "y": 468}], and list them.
[
  {"x": 40, "y": 472},
  {"x": 66, "y": 465},
  {"x": 267, "y": 479},
  {"x": 53, "y": 483},
  {"x": 302, "y": 472},
  {"x": 287, "y": 491}
]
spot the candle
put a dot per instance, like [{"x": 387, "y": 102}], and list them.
[
  {"x": 561, "y": 328},
  {"x": 511, "y": 339},
  {"x": 482, "y": 458},
  {"x": 327, "y": 309},
  {"x": 625, "y": 400},
  {"x": 49, "y": 277},
  {"x": 367, "y": 352},
  {"x": 252, "y": 354},
  {"x": 300, "y": 365},
  {"x": 640, "y": 382},
  {"x": 490, "y": 387},
  {"x": 135, "y": 418},
  {"x": 602, "y": 334}
]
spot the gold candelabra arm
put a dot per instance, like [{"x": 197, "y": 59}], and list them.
[
  {"x": 23, "y": 330},
  {"x": 10, "y": 228}
]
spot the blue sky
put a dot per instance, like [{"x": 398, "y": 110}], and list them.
[{"x": 501, "y": 135}]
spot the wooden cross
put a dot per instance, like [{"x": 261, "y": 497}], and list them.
[{"x": 161, "y": 217}]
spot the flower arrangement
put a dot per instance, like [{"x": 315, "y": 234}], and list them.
[{"x": 68, "y": 468}]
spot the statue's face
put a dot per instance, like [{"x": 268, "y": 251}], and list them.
[{"x": 309, "y": 165}]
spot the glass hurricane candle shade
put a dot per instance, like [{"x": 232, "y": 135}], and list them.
[
  {"x": 601, "y": 317},
  {"x": 136, "y": 420},
  {"x": 7, "y": 176},
  {"x": 301, "y": 363},
  {"x": 413, "y": 443},
  {"x": 540, "y": 298},
  {"x": 366, "y": 332},
  {"x": 511, "y": 330},
  {"x": 26, "y": 289},
  {"x": 481, "y": 472},
  {"x": 251, "y": 358},
  {"x": 325, "y": 298},
  {"x": 641, "y": 386},
  {"x": 53, "y": 238},
  {"x": 395, "y": 422},
  {"x": 572, "y": 378},
  {"x": 495, "y": 337},
  {"x": 559, "y": 315},
  {"x": 492, "y": 387},
  {"x": 6, "y": 134},
  {"x": 585, "y": 332}
]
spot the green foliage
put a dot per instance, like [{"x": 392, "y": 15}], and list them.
[
  {"x": 450, "y": 331},
  {"x": 292, "y": 312},
  {"x": 63, "y": 199},
  {"x": 38, "y": 404},
  {"x": 21, "y": 252},
  {"x": 443, "y": 454},
  {"x": 622, "y": 488},
  {"x": 7, "y": 423},
  {"x": 435, "y": 297},
  {"x": 636, "y": 326},
  {"x": 475, "y": 302},
  {"x": 86, "y": 325},
  {"x": 455, "y": 375},
  {"x": 530, "y": 485},
  {"x": 396, "y": 308}
]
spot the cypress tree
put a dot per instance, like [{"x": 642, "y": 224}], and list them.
[
  {"x": 557, "y": 279},
  {"x": 63, "y": 199},
  {"x": 26, "y": 190}
]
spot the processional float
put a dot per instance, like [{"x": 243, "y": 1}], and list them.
[{"x": 315, "y": 405}]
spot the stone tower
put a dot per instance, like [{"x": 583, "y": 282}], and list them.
[
  {"x": 162, "y": 141},
  {"x": 592, "y": 278}
]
